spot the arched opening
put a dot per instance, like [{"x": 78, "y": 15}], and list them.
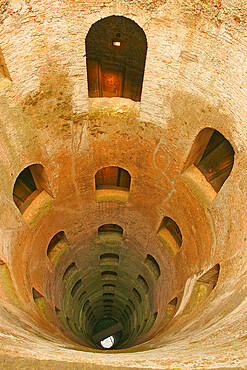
[
  {"x": 112, "y": 184},
  {"x": 32, "y": 193},
  {"x": 110, "y": 231},
  {"x": 152, "y": 266},
  {"x": 202, "y": 288},
  {"x": 107, "y": 332},
  {"x": 116, "y": 50},
  {"x": 209, "y": 163},
  {"x": 170, "y": 235},
  {"x": 57, "y": 246},
  {"x": 41, "y": 305},
  {"x": 171, "y": 309}
]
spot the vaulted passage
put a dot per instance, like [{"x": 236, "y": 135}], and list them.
[{"x": 114, "y": 299}]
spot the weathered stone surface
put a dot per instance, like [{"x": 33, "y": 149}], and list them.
[{"x": 195, "y": 77}]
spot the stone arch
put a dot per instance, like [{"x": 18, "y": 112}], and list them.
[{"x": 116, "y": 50}]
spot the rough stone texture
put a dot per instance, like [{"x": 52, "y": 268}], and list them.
[{"x": 195, "y": 77}]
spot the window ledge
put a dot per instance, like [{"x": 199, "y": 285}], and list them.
[
  {"x": 121, "y": 105},
  {"x": 39, "y": 206},
  {"x": 200, "y": 186},
  {"x": 112, "y": 195}
]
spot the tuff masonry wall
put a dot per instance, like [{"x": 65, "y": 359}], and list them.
[{"x": 195, "y": 77}]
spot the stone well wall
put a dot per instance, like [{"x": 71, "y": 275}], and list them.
[{"x": 195, "y": 78}]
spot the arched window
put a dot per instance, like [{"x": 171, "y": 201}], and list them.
[
  {"x": 57, "y": 246},
  {"x": 170, "y": 235},
  {"x": 110, "y": 231},
  {"x": 152, "y": 266},
  {"x": 210, "y": 160},
  {"x": 31, "y": 187},
  {"x": 171, "y": 309},
  {"x": 202, "y": 288},
  {"x": 116, "y": 50},
  {"x": 42, "y": 305},
  {"x": 112, "y": 184}
]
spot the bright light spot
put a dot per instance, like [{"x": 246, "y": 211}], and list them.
[
  {"x": 116, "y": 43},
  {"x": 107, "y": 342}
]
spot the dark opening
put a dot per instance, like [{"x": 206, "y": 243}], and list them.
[
  {"x": 54, "y": 241},
  {"x": 213, "y": 155},
  {"x": 112, "y": 177},
  {"x": 153, "y": 267},
  {"x": 30, "y": 182},
  {"x": 110, "y": 228},
  {"x": 116, "y": 50},
  {"x": 173, "y": 228}
]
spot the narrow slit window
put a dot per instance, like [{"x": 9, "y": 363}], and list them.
[
  {"x": 170, "y": 235},
  {"x": 115, "y": 60}
]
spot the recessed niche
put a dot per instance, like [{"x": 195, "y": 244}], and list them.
[
  {"x": 112, "y": 185},
  {"x": 128, "y": 309},
  {"x": 111, "y": 275},
  {"x": 170, "y": 236},
  {"x": 202, "y": 288},
  {"x": 69, "y": 272},
  {"x": 41, "y": 304},
  {"x": 171, "y": 309},
  {"x": 209, "y": 164},
  {"x": 131, "y": 304},
  {"x": 32, "y": 193},
  {"x": 137, "y": 295},
  {"x": 152, "y": 266},
  {"x": 152, "y": 320},
  {"x": 110, "y": 231},
  {"x": 109, "y": 286},
  {"x": 109, "y": 258},
  {"x": 76, "y": 287},
  {"x": 82, "y": 296},
  {"x": 57, "y": 247},
  {"x": 143, "y": 284},
  {"x": 115, "y": 60},
  {"x": 86, "y": 305}
]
